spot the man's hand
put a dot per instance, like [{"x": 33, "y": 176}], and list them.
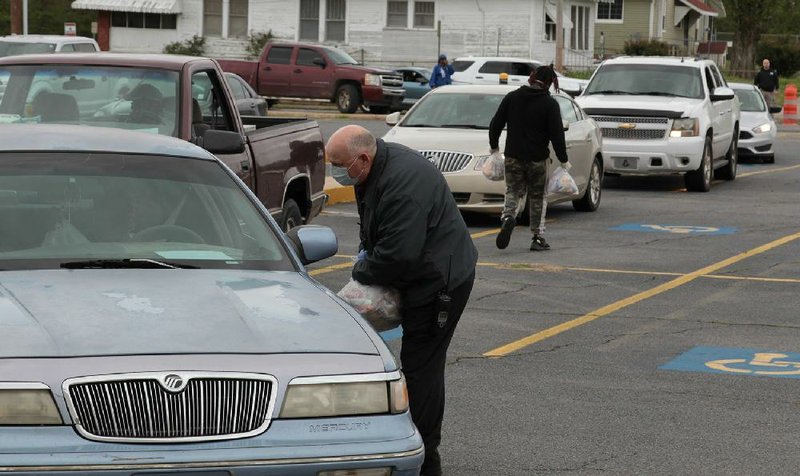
[
  {"x": 566, "y": 166},
  {"x": 361, "y": 256}
]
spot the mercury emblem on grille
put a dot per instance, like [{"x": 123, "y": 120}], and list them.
[{"x": 173, "y": 383}]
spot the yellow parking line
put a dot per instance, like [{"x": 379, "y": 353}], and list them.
[
  {"x": 328, "y": 269},
  {"x": 481, "y": 234},
  {"x": 623, "y": 303},
  {"x": 769, "y": 171},
  {"x": 753, "y": 278}
]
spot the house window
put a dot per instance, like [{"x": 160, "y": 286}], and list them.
[
  {"x": 237, "y": 18},
  {"x": 153, "y": 21},
  {"x": 309, "y": 20},
  {"x": 335, "y": 13},
  {"x": 212, "y": 17},
  {"x": 549, "y": 28},
  {"x": 397, "y": 14},
  {"x": 423, "y": 14},
  {"x": 579, "y": 35},
  {"x": 609, "y": 10}
]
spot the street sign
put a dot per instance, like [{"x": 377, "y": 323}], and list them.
[
  {"x": 94, "y": 28},
  {"x": 70, "y": 29}
]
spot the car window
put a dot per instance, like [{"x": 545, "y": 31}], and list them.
[
  {"x": 408, "y": 75},
  {"x": 12, "y": 48},
  {"x": 306, "y": 57},
  {"x": 495, "y": 67},
  {"x": 709, "y": 80},
  {"x": 73, "y": 207},
  {"x": 236, "y": 87},
  {"x": 279, "y": 54},
  {"x": 461, "y": 65},
  {"x": 718, "y": 78},
  {"x": 207, "y": 91},
  {"x": 751, "y": 100},
  {"x": 67, "y": 48},
  {"x": 521, "y": 69},
  {"x": 567, "y": 109},
  {"x": 647, "y": 79},
  {"x": 85, "y": 47},
  {"x": 454, "y": 110},
  {"x": 105, "y": 96}
]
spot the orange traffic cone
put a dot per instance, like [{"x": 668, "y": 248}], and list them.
[{"x": 790, "y": 104}]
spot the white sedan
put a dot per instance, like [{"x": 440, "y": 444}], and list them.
[
  {"x": 757, "y": 128},
  {"x": 450, "y": 126}
]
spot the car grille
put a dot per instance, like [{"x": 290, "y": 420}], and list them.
[
  {"x": 461, "y": 197},
  {"x": 632, "y": 119},
  {"x": 392, "y": 80},
  {"x": 633, "y": 134},
  {"x": 447, "y": 161},
  {"x": 745, "y": 135},
  {"x": 136, "y": 408}
]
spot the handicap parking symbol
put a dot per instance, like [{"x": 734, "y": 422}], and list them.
[
  {"x": 750, "y": 362},
  {"x": 676, "y": 229}
]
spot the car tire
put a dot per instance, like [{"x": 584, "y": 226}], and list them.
[
  {"x": 291, "y": 215},
  {"x": 728, "y": 172},
  {"x": 769, "y": 159},
  {"x": 700, "y": 180},
  {"x": 347, "y": 99},
  {"x": 591, "y": 197}
]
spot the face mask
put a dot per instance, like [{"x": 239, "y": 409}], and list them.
[{"x": 341, "y": 175}]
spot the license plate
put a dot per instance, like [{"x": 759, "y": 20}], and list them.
[{"x": 626, "y": 162}]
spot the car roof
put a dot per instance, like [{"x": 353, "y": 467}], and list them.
[
  {"x": 500, "y": 89},
  {"x": 741, "y": 86},
  {"x": 497, "y": 58},
  {"x": 66, "y": 138},
  {"x": 46, "y": 39},
  {"x": 670, "y": 60},
  {"x": 161, "y": 61}
]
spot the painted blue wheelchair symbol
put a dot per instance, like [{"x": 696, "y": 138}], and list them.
[
  {"x": 676, "y": 229},
  {"x": 751, "y": 362}
]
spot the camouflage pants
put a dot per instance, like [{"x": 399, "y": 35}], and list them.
[{"x": 526, "y": 178}]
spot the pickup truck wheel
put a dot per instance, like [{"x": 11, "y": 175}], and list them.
[
  {"x": 347, "y": 98},
  {"x": 728, "y": 172},
  {"x": 700, "y": 180},
  {"x": 291, "y": 215},
  {"x": 591, "y": 198}
]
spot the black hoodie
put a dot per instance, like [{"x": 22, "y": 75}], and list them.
[{"x": 534, "y": 120}]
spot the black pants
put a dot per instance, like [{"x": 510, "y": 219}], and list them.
[{"x": 423, "y": 356}]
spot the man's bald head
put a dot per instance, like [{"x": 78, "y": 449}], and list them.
[{"x": 354, "y": 148}]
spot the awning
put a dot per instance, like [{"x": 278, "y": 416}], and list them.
[
  {"x": 138, "y": 6},
  {"x": 696, "y": 6},
  {"x": 552, "y": 13}
]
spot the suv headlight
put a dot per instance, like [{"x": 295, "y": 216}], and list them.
[
  {"x": 687, "y": 127},
  {"x": 28, "y": 406},
  {"x": 346, "y": 398},
  {"x": 766, "y": 127},
  {"x": 372, "y": 79}
]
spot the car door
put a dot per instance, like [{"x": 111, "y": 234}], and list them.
[
  {"x": 244, "y": 102},
  {"x": 311, "y": 76},
  {"x": 716, "y": 112},
  {"x": 276, "y": 74},
  {"x": 489, "y": 72},
  {"x": 579, "y": 140},
  {"x": 726, "y": 121},
  {"x": 520, "y": 72}
]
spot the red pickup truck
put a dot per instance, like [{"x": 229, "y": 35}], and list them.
[
  {"x": 298, "y": 70},
  {"x": 281, "y": 160}
]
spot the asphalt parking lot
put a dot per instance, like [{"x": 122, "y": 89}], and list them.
[{"x": 660, "y": 335}]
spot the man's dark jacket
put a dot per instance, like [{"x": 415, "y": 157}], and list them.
[
  {"x": 767, "y": 80},
  {"x": 411, "y": 228},
  {"x": 534, "y": 120}
]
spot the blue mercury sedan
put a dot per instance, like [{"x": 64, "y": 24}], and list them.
[{"x": 153, "y": 319}]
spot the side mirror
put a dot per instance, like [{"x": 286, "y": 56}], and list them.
[
  {"x": 221, "y": 142},
  {"x": 319, "y": 62},
  {"x": 722, "y": 94},
  {"x": 565, "y": 125},
  {"x": 313, "y": 242},
  {"x": 775, "y": 109},
  {"x": 393, "y": 118}
]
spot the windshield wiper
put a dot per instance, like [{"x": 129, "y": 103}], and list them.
[
  {"x": 132, "y": 263},
  {"x": 609, "y": 91},
  {"x": 660, "y": 93},
  {"x": 418, "y": 125},
  {"x": 465, "y": 126}
]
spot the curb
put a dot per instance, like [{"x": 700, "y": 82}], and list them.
[
  {"x": 338, "y": 193},
  {"x": 324, "y": 115}
]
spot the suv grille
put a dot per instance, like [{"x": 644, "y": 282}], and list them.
[
  {"x": 632, "y": 120},
  {"x": 634, "y": 134},
  {"x": 136, "y": 408},
  {"x": 447, "y": 161},
  {"x": 392, "y": 81},
  {"x": 633, "y": 127}
]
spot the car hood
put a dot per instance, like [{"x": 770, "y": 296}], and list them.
[
  {"x": 366, "y": 69},
  {"x": 471, "y": 141},
  {"x": 61, "y": 313},
  {"x": 751, "y": 119},
  {"x": 645, "y": 103}
]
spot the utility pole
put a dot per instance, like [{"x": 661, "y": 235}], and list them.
[
  {"x": 559, "y": 35},
  {"x": 16, "y": 17}
]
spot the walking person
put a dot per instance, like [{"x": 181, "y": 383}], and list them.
[
  {"x": 440, "y": 76},
  {"x": 413, "y": 238},
  {"x": 533, "y": 120},
  {"x": 767, "y": 81}
]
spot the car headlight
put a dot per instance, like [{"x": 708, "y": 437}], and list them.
[
  {"x": 28, "y": 406},
  {"x": 687, "y": 127},
  {"x": 346, "y": 398},
  {"x": 766, "y": 127},
  {"x": 372, "y": 79}
]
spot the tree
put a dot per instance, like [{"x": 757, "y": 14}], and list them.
[{"x": 47, "y": 17}]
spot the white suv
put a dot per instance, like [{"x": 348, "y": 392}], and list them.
[
  {"x": 33, "y": 44},
  {"x": 665, "y": 115},
  {"x": 487, "y": 69}
]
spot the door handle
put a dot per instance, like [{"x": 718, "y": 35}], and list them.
[
  {"x": 478, "y": 77},
  {"x": 267, "y": 68},
  {"x": 245, "y": 164},
  {"x": 298, "y": 70}
]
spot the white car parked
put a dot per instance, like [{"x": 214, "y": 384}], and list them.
[
  {"x": 36, "y": 44},
  {"x": 665, "y": 115},
  {"x": 450, "y": 126},
  {"x": 757, "y": 128},
  {"x": 487, "y": 69}
]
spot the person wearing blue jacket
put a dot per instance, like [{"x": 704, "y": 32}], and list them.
[{"x": 441, "y": 73}]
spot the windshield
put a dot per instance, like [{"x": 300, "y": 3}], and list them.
[
  {"x": 13, "y": 48},
  {"x": 62, "y": 210},
  {"x": 647, "y": 79},
  {"x": 339, "y": 56},
  {"x": 751, "y": 100},
  {"x": 126, "y": 98},
  {"x": 458, "y": 110}
]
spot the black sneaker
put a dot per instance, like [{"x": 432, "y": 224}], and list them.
[
  {"x": 506, "y": 228},
  {"x": 538, "y": 243}
]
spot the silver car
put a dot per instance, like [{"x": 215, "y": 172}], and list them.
[
  {"x": 154, "y": 318},
  {"x": 757, "y": 128}
]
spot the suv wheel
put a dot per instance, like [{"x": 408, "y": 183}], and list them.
[
  {"x": 347, "y": 98},
  {"x": 700, "y": 180},
  {"x": 728, "y": 172}
]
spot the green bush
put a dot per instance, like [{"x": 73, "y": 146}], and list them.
[
  {"x": 783, "y": 54},
  {"x": 194, "y": 46},
  {"x": 646, "y": 48},
  {"x": 257, "y": 41}
]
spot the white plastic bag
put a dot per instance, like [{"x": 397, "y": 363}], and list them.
[
  {"x": 561, "y": 182},
  {"x": 379, "y": 305},
  {"x": 494, "y": 168}
]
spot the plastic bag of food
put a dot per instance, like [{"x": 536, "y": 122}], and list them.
[
  {"x": 379, "y": 305},
  {"x": 494, "y": 167},
  {"x": 561, "y": 182}
]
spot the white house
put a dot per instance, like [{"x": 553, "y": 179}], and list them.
[{"x": 375, "y": 31}]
